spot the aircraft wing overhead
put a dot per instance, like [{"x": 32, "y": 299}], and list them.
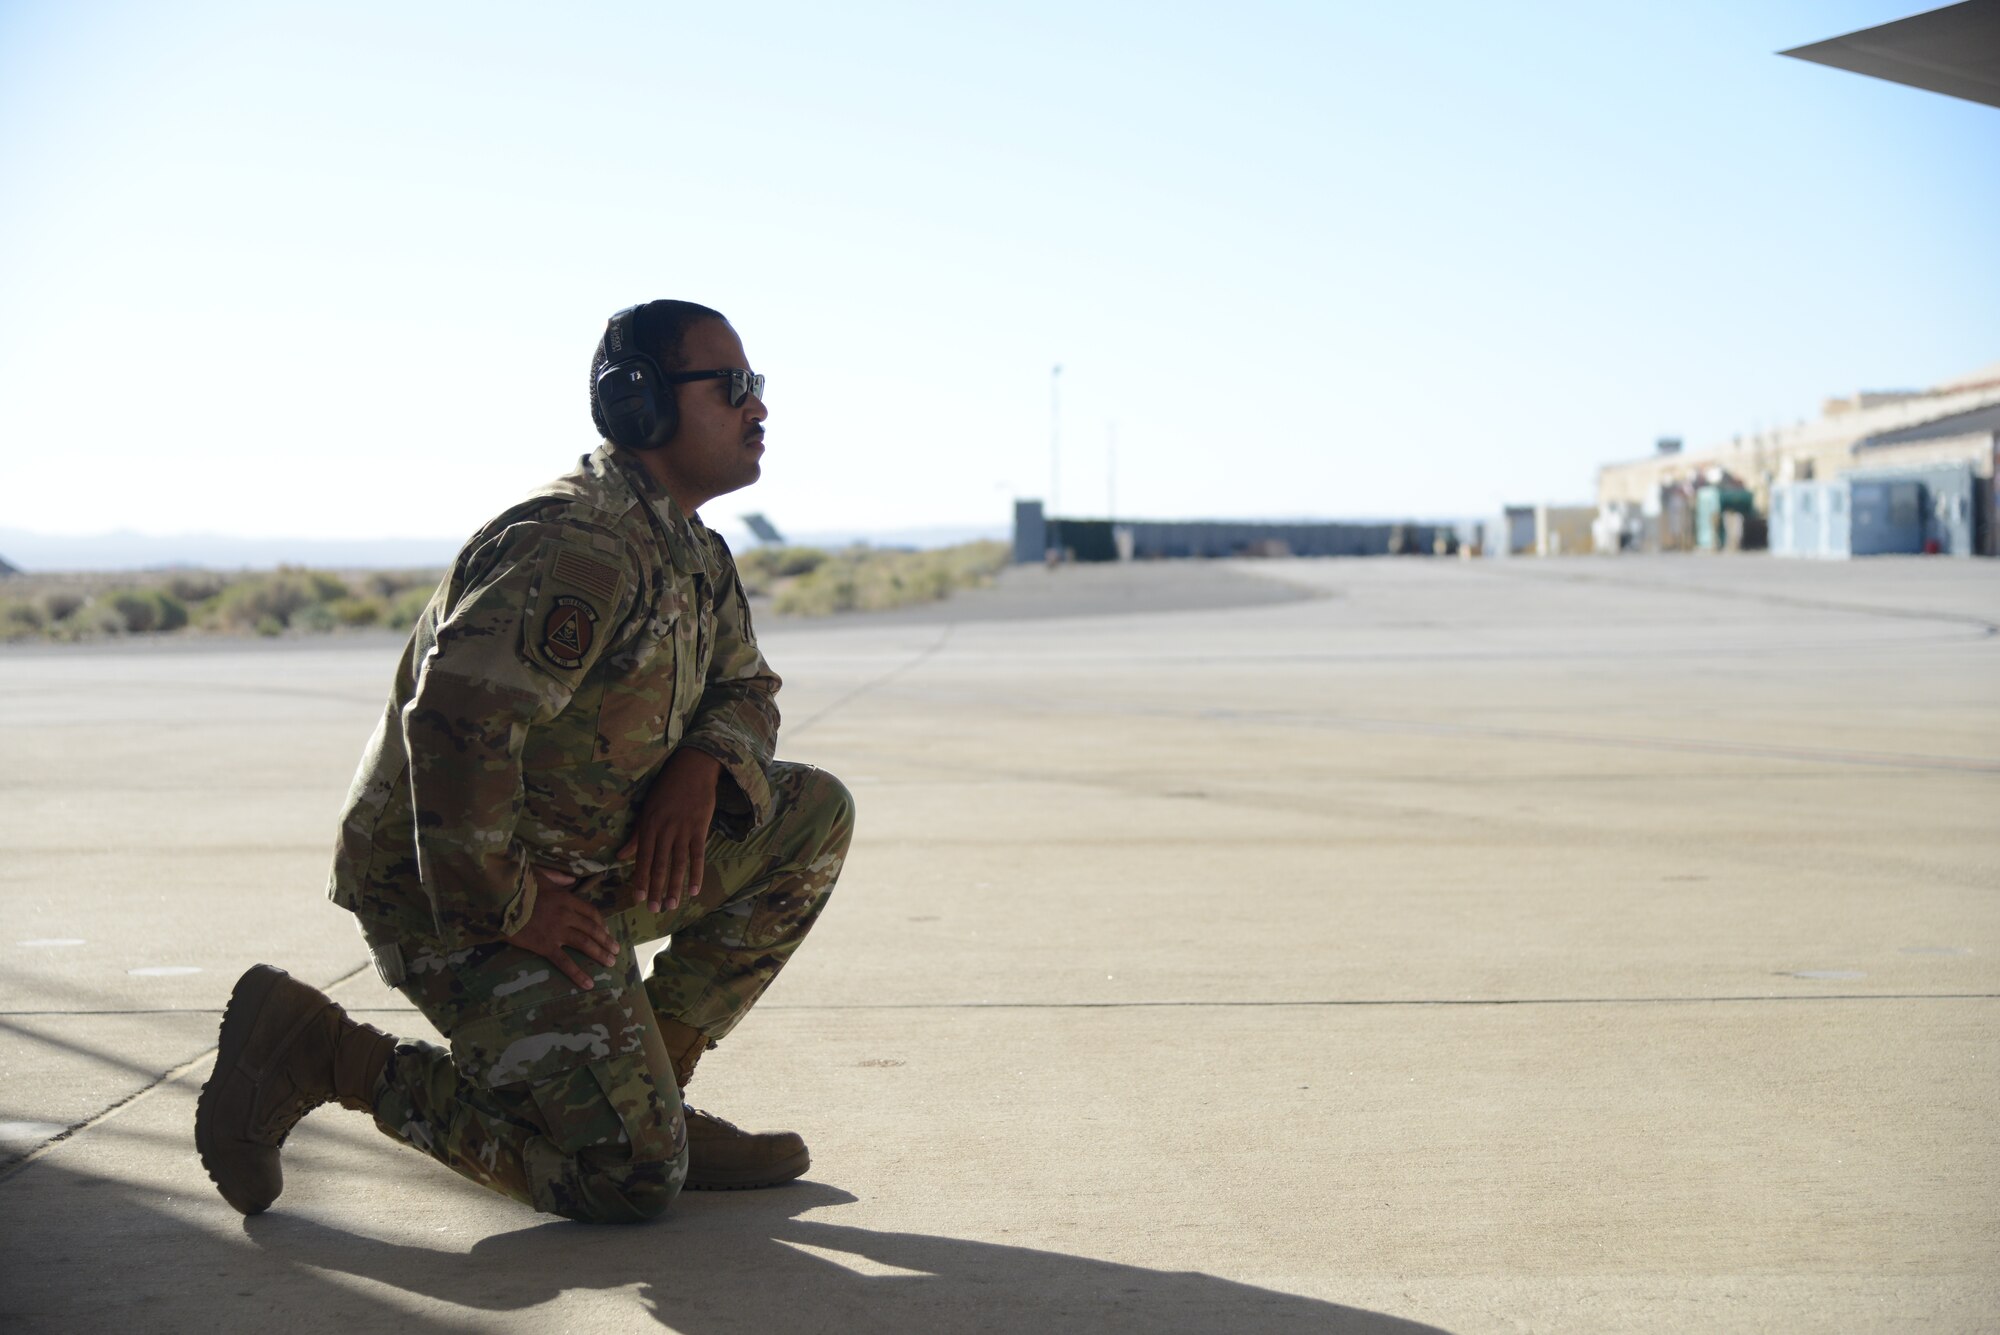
[{"x": 1954, "y": 51}]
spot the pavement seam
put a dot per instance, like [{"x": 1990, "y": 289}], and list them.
[
  {"x": 921, "y": 657},
  {"x": 1330, "y": 1004},
  {"x": 13, "y": 1166},
  {"x": 1375, "y": 723},
  {"x": 1986, "y": 627},
  {"x": 1323, "y": 1003},
  {"x": 1689, "y": 746}
]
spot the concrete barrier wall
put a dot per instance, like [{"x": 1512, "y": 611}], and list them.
[{"x": 1106, "y": 539}]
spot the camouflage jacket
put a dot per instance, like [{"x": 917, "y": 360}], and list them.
[{"x": 579, "y": 638}]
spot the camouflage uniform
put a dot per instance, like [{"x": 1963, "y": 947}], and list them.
[{"x": 579, "y": 639}]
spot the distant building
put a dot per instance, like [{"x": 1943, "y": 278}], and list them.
[
  {"x": 1031, "y": 533},
  {"x": 1541, "y": 530},
  {"x": 1513, "y": 533},
  {"x": 1943, "y": 433},
  {"x": 1036, "y": 535},
  {"x": 1941, "y": 508}
]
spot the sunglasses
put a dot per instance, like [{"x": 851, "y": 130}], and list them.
[{"x": 742, "y": 384}]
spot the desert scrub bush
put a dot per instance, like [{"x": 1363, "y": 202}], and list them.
[
  {"x": 762, "y": 567},
  {"x": 289, "y": 599},
  {"x": 389, "y": 583},
  {"x": 976, "y": 563},
  {"x": 830, "y": 588},
  {"x": 21, "y": 620},
  {"x": 862, "y": 579},
  {"x": 406, "y": 607},
  {"x": 95, "y": 619},
  {"x": 277, "y": 597},
  {"x": 196, "y": 586},
  {"x": 315, "y": 617},
  {"x": 145, "y": 611},
  {"x": 61, "y": 604},
  {"x": 357, "y": 611}
]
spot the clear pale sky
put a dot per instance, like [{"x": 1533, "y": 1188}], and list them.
[{"x": 336, "y": 270}]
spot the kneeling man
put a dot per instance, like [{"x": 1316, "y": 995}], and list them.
[{"x": 576, "y": 759}]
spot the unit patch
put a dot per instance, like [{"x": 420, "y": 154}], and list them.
[
  {"x": 568, "y": 630},
  {"x": 574, "y": 591}
]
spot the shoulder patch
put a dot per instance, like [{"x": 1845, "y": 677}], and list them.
[
  {"x": 577, "y": 592},
  {"x": 574, "y": 568},
  {"x": 568, "y": 630}
]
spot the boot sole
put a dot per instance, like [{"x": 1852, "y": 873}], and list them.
[
  {"x": 786, "y": 1171},
  {"x": 237, "y": 1017}
]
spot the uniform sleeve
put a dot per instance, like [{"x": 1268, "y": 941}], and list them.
[
  {"x": 737, "y": 720},
  {"x": 528, "y": 614}
]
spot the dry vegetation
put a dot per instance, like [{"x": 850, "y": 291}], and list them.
[
  {"x": 805, "y": 581},
  {"x": 799, "y": 581},
  {"x": 271, "y": 602}
]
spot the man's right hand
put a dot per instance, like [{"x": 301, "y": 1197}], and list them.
[{"x": 562, "y": 920}]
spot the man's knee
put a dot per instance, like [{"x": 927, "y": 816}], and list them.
[
  {"x": 614, "y": 1149},
  {"x": 605, "y": 1184},
  {"x": 628, "y": 1193},
  {"x": 825, "y": 804}
]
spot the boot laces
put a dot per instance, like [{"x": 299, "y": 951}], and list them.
[{"x": 719, "y": 1123}]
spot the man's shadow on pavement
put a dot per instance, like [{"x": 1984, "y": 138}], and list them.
[{"x": 720, "y": 1265}]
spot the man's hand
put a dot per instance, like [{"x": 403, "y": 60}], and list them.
[
  {"x": 562, "y": 920},
  {"x": 673, "y": 831}
]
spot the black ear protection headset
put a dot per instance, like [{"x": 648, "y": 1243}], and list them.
[{"x": 633, "y": 397}]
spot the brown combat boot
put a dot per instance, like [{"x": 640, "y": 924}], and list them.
[
  {"x": 721, "y": 1155},
  {"x": 285, "y": 1049}
]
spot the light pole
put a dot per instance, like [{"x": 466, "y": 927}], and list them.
[
  {"x": 1055, "y": 433},
  {"x": 1110, "y": 470}
]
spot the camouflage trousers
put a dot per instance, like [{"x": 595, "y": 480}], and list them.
[{"x": 565, "y": 1099}]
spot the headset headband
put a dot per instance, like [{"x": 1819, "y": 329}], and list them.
[{"x": 618, "y": 334}]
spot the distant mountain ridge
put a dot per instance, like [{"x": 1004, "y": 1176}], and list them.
[
  {"x": 147, "y": 551},
  {"x": 25, "y": 551}
]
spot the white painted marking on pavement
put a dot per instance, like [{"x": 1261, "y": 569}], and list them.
[
  {"x": 16, "y": 1137},
  {"x": 45, "y": 942},
  {"x": 164, "y": 971}
]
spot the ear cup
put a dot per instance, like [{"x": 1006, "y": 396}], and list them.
[
  {"x": 639, "y": 412},
  {"x": 636, "y": 403}
]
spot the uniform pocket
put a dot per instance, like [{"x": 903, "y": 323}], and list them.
[
  {"x": 569, "y": 740},
  {"x": 636, "y": 714},
  {"x": 577, "y": 1114},
  {"x": 628, "y": 1106}
]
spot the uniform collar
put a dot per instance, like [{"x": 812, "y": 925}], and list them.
[{"x": 684, "y": 545}]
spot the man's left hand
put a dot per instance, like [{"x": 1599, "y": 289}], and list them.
[{"x": 673, "y": 831}]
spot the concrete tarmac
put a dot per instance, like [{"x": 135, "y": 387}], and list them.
[{"x": 1383, "y": 946}]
